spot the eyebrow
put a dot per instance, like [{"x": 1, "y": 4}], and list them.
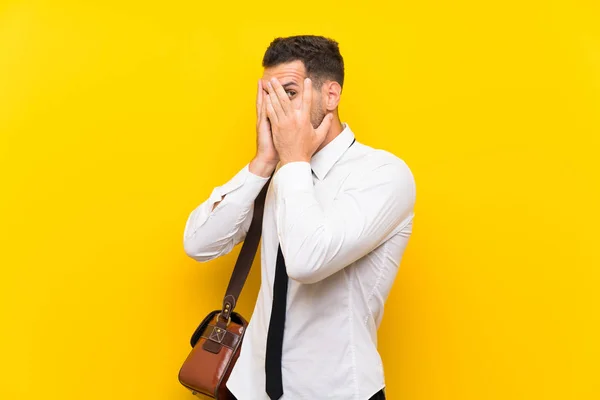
[{"x": 285, "y": 85}]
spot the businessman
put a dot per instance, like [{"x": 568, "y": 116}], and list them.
[{"x": 338, "y": 216}]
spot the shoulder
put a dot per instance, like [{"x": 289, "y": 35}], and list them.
[
  {"x": 383, "y": 178},
  {"x": 382, "y": 165}
]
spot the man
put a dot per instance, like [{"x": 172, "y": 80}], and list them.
[{"x": 338, "y": 216}]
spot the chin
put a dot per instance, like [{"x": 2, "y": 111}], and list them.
[{"x": 314, "y": 124}]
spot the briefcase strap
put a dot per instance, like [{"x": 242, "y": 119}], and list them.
[{"x": 246, "y": 256}]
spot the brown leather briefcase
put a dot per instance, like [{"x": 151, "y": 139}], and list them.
[{"x": 216, "y": 343}]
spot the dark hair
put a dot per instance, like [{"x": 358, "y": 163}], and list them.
[{"x": 320, "y": 55}]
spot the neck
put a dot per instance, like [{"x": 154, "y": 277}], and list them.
[{"x": 334, "y": 130}]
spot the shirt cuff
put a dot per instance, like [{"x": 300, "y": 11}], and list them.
[
  {"x": 293, "y": 177},
  {"x": 243, "y": 188}
]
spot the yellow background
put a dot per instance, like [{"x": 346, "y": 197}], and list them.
[{"x": 118, "y": 118}]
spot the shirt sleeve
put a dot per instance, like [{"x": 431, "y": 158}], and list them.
[
  {"x": 370, "y": 207},
  {"x": 209, "y": 233}
]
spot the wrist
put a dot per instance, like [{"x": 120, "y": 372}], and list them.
[
  {"x": 286, "y": 160},
  {"x": 261, "y": 167}
]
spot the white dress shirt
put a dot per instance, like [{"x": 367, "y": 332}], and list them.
[{"x": 342, "y": 234}]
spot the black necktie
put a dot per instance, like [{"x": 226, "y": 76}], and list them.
[{"x": 273, "y": 383}]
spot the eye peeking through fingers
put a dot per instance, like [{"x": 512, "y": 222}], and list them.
[{"x": 291, "y": 93}]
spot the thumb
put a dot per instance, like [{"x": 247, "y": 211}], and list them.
[{"x": 322, "y": 129}]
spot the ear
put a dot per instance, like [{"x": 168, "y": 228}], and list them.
[{"x": 331, "y": 92}]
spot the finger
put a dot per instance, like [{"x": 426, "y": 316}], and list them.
[
  {"x": 322, "y": 129},
  {"x": 263, "y": 111},
  {"x": 275, "y": 101},
  {"x": 259, "y": 98},
  {"x": 260, "y": 109},
  {"x": 271, "y": 110},
  {"x": 282, "y": 96},
  {"x": 307, "y": 96}
]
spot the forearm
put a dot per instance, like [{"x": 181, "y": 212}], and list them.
[
  {"x": 220, "y": 222},
  {"x": 318, "y": 241}
]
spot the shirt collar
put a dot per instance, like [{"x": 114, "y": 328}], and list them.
[{"x": 324, "y": 159}]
